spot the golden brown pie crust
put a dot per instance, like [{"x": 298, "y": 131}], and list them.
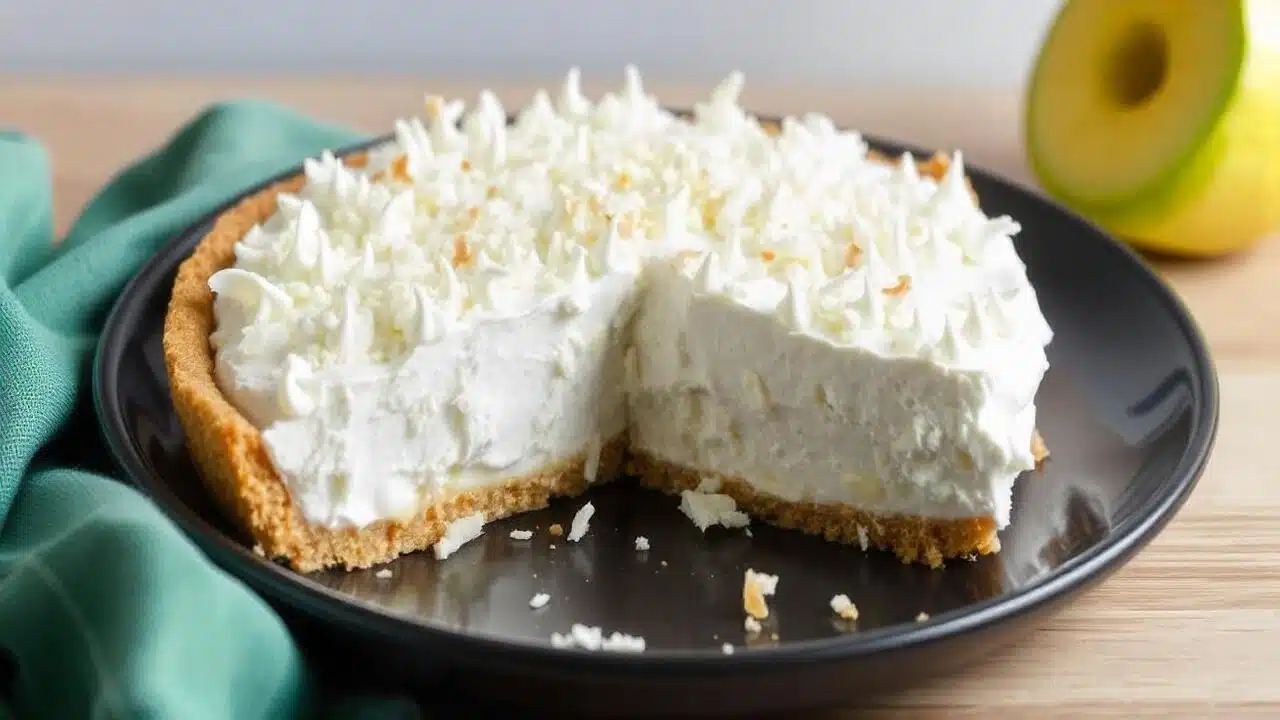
[{"x": 912, "y": 538}]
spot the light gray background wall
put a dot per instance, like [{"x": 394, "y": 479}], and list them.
[{"x": 968, "y": 43}]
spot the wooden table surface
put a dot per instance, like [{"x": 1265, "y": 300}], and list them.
[{"x": 1190, "y": 628}]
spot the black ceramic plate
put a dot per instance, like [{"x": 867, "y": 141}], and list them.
[{"x": 1129, "y": 409}]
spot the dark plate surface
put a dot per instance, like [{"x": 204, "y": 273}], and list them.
[{"x": 1129, "y": 409}]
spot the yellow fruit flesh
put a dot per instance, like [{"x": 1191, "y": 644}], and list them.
[
  {"x": 1124, "y": 91},
  {"x": 1160, "y": 119},
  {"x": 1231, "y": 197}
]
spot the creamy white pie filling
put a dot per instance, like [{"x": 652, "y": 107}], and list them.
[
  {"x": 806, "y": 420},
  {"x": 783, "y": 309}
]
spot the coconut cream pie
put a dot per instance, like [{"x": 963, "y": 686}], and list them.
[{"x": 475, "y": 317}]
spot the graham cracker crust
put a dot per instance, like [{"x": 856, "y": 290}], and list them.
[
  {"x": 913, "y": 539},
  {"x": 232, "y": 458},
  {"x": 234, "y": 466}
]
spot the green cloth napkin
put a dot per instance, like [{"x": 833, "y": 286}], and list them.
[{"x": 106, "y": 609}]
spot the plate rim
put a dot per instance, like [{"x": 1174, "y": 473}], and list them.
[{"x": 298, "y": 590}]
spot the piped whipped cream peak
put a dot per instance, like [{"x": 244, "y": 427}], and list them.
[{"x": 517, "y": 253}]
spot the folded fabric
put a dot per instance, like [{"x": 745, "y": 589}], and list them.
[{"x": 106, "y": 609}]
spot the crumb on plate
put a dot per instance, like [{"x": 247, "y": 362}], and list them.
[
  {"x": 755, "y": 587},
  {"x": 459, "y": 533},
  {"x": 844, "y": 607}
]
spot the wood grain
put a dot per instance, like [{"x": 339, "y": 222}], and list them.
[{"x": 1190, "y": 629}]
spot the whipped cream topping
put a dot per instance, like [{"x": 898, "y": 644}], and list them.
[{"x": 459, "y": 310}]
